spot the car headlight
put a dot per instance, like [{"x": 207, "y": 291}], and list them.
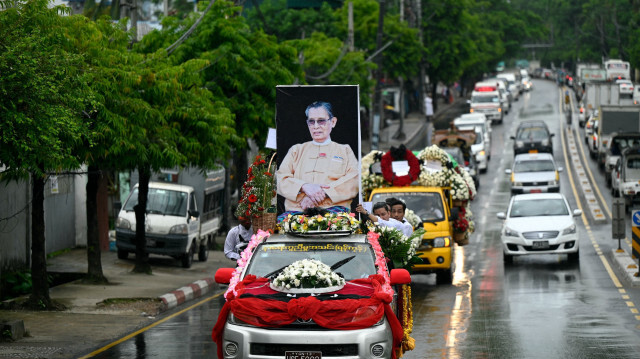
[
  {"x": 440, "y": 242},
  {"x": 510, "y": 232},
  {"x": 519, "y": 144},
  {"x": 123, "y": 223},
  {"x": 179, "y": 229},
  {"x": 480, "y": 154},
  {"x": 545, "y": 142},
  {"x": 553, "y": 183},
  {"x": 516, "y": 184},
  {"x": 569, "y": 230}
]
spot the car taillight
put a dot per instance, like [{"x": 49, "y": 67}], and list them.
[
  {"x": 466, "y": 163},
  {"x": 618, "y": 175},
  {"x": 581, "y": 109}
]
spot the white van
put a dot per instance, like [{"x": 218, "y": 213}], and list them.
[
  {"x": 481, "y": 149},
  {"x": 486, "y": 99},
  {"x": 172, "y": 223},
  {"x": 515, "y": 86}
]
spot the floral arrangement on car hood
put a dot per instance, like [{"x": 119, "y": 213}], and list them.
[
  {"x": 307, "y": 273},
  {"x": 329, "y": 222}
]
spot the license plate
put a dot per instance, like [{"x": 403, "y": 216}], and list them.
[
  {"x": 303, "y": 355},
  {"x": 533, "y": 151},
  {"x": 540, "y": 245},
  {"x": 536, "y": 190},
  {"x": 151, "y": 242}
]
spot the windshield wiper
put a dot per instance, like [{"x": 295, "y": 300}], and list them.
[
  {"x": 277, "y": 271},
  {"x": 341, "y": 263}
]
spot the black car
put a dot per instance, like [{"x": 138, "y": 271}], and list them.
[{"x": 532, "y": 137}]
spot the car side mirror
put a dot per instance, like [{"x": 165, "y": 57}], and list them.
[
  {"x": 507, "y": 171},
  {"x": 400, "y": 276},
  {"x": 512, "y": 137},
  {"x": 551, "y": 135},
  {"x": 501, "y": 215},
  {"x": 577, "y": 212},
  {"x": 193, "y": 213},
  {"x": 223, "y": 275}
]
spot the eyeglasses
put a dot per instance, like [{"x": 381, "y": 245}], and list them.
[{"x": 319, "y": 122}]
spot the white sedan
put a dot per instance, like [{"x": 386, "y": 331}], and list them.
[{"x": 540, "y": 223}]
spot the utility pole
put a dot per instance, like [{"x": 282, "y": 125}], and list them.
[
  {"x": 378, "y": 90},
  {"x": 350, "y": 40}
]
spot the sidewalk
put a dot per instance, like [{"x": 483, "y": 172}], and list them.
[{"x": 87, "y": 323}]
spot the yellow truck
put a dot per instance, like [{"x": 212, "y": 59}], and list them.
[{"x": 433, "y": 206}]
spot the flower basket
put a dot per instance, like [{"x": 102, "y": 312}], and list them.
[
  {"x": 461, "y": 238},
  {"x": 458, "y": 203},
  {"x": 265, "y": 221}
]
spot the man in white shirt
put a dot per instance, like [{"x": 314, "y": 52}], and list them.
[
  {"x": 237, "y": 238},
  {"x": 382, "y": 215},
  {"x": 398, "y": 208}
]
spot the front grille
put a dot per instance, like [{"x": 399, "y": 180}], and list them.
[
  {"x": 531, "y": 184},
  {"x": 540, "y": 235},
  {"x": 329, "y": 350}
]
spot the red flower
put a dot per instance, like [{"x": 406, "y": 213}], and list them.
[
  {"x": 247, "y": 213},
  {"x": 253, "y": 198},
  {"x": 268, "y": 173}
]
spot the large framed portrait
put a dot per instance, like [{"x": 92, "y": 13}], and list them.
[{"x": 318, "y": 148}]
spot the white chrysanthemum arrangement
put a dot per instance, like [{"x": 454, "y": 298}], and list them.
[
  {"x": 459, "y": 188},
  {"x": 412, "y": 218},
  {"x": 307, "y": 273}
]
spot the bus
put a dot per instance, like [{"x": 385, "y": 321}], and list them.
[{"x": 617, "y": 69}]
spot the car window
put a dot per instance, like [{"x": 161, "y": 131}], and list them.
[
  {"x": 271, "y": 256},
  {"x": 534, "y": 166},
  {"x": 633, "y": 163},
  {"x": 161, "y": 201},
  {"x": 539, "y": 207},
  {"x": 484, "y": 99},
  {"x": 533, "y": 133}
]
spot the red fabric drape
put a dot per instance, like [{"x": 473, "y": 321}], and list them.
[{"x": 340, "y": 314}]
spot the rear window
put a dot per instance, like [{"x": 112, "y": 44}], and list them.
[{"x": 533, "y": 133}]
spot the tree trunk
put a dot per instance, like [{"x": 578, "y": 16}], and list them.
[
  {"x": 39, "y": 298},
  {"x": 94, "y": 265},
  {"x": 142, "y": 258}
]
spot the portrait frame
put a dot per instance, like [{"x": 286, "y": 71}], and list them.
[{"x": 291, "y": 127}]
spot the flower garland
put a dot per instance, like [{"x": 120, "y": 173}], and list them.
[
  {"x": 381, "y": 262},
  {"x": 245, "y": 256},
  {"x": 307, "y": 273},
  {"x": 329, "y": 222},
  {"x": 430, "y": 176},
  {"x": 408, "y": 343},
  {"x": 390, "y": 176}
]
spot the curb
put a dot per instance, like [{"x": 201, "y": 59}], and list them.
[
  {"x": 183, "y": 294},
  {"x": 628, "y": 266}
]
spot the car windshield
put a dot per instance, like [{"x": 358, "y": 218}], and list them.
[
  {"x": 427, "y": 205},
  {"x": 534, "y": 166},
  {"x": 538, "y": 207},
  {"x": 161, "y": 201},
  {"x": 270, "y": 257},
  {"x": 533, "y": 133},
  {"x": 484, "y": 99}
]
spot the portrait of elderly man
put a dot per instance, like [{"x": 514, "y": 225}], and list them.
[{"x": 320, "y": 172}]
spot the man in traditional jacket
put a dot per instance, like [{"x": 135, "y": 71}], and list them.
[{"x": 318, "y": 173}]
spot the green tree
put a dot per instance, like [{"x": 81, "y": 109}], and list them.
[
  {"x": 244, "y": 66},
  {"x": 43, "y": 95}
]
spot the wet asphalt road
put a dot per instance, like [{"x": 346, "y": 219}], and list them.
[{"x": 539, "y": 307}]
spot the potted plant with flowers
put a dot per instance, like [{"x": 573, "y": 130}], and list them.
[{"x": 258, "y": 194}]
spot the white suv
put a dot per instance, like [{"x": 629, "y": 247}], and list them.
[{"x": 259, "y": 321}]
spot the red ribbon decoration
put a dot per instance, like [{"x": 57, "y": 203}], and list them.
[{"x": 339, "y": 314}]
